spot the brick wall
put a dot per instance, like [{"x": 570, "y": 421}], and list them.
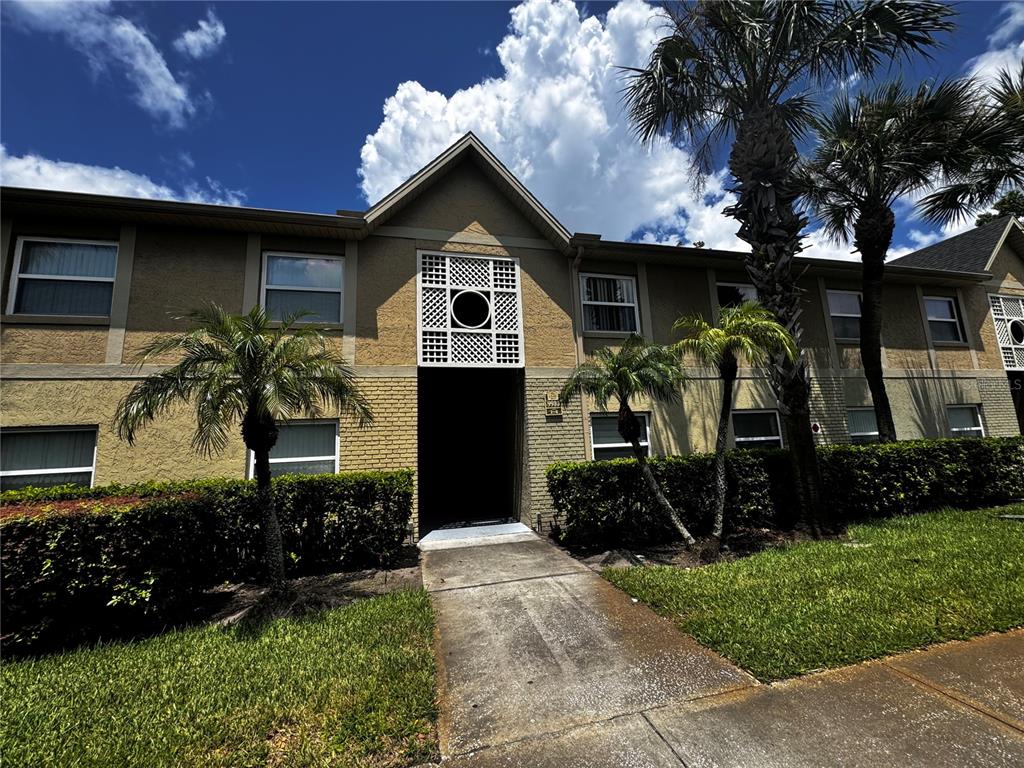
[
  {"x": 548, "y": 439},
  {"x": 390, "y": 443},
  {"x": 997, "y": 411},
  {"x": 828, "y": 408}
]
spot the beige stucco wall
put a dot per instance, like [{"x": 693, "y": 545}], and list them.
[
  {"x": 177, "y": 271},
  {"x": 46, "y": 342},
  {"x": 465, "y": 200},
  {"x": 161, "y": 452},
  {"x": 903, "y": 334},
  {"x": 673, "y": 292},
  {"x": 54, "y": 343},
  {"x": 386, "y": 310}
]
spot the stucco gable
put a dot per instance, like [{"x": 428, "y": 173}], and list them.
[
  {"x": 465, "y": 200},
  {"x": 466, "y": 188}
]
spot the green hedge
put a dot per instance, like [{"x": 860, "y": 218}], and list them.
[
  {"x": 116, "y": 567},
  {"x": 601, "y": 503}
]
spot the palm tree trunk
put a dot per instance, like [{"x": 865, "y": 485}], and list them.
[
  {"x": 727, "y": 370},
  {"x": 273, "y": 548},
  {"x": 762, "y": 160},
  {"x": 629, "y": 428},
  {"x": 872, "y": 237}
]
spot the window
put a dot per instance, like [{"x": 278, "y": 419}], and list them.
[
  {"x": 942, "y": 318},
  {"x": 606, "y": 441},
  {"x": 45, "y": 457},
  {"x": 862, "y": 425},
  {"x": 299, "y": 283},
  {"x": 62, "y": 277},
  {"x": 844, "y": 309},
  {"x": 964, "y": 421},
  {"x": 734, "y": 294},
  {"x": 757, "y": 429},
  {"x": 609, "y": 303},
  {"x": 303, "y": 448}
]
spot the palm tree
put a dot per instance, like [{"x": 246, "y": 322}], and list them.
[
  {"x": 635, "y": 370},
  {"x": 741, "y": 68},
  {"x": 894, "y": 143},
  {"x": 240, "y": 369},
  {"x": 1010, "y": 204},
  {"x": 748, "y": 333}
]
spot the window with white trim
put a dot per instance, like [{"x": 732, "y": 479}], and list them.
[
  {"x": 757, "y": 429},
  {"x": 943, "y": 318},
  {"x": 607, "y": 443},
  {"x": 609, "y": 303},
  {"x": 54, "y": 276},
  {"x": 303, "y": 448},
  {"x": 45, "y": 457},
  {"x": 844, "y": 310},
  {"x": 735, "y": 294},
  {"x": 299, "y": 282},
  {"x": 862, "y": 424},
  {"x": 964, "y": 421}
]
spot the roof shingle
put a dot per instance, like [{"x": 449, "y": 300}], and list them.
[{"x": 967, "y": 252}]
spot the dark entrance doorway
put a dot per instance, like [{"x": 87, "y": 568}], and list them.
[
  {"x": 469, "y": 445},
  {"x": 1017, "y": 392}
]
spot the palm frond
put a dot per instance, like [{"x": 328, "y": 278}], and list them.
[{"x": 231, "y": 367}]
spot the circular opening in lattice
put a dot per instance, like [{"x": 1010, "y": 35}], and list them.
[
  {"x": 471, "y": 309},
  {"x": 1017, "y": 331}
]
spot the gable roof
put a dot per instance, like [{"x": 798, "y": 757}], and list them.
[
  {"x": 971, "y": 251},
  {"x": 469, "y": 147}
]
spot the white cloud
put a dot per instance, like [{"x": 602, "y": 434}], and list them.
[
  {"x": 1006, "y": 45},
  {"x": 204, "y": 40},
  {"x": 109, "y": 41},
  {"x": 555, "y": 119},
  {"x": 41, "y": 173}
]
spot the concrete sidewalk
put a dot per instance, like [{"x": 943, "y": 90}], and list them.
[{"x": 543, "y": 663}]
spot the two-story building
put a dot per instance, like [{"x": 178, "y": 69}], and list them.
[{"x": 462, "y": 304}]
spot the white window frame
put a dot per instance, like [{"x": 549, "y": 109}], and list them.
[
  {"x": 966, "y": 431},
  {"x": 852, "y": 435},
  {"x": 645, "y": 418},
  {"x": 58, "y": 470},
  {"x": 584, "y": 303},
  {"x": 751, "y": 286},
  {"x": 831, "y": 314},
  {"x": 16, "y": 275},
  {"x": 265, "y": 286},
  {"x": 738, "y": 441},
  {"x": 955, "y": 320},
  {"x": 294, "y": 459}
]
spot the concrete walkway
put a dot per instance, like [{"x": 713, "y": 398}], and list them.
[{"x": 543, "y": 663}]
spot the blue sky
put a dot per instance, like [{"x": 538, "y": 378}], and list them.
[{"x": 319, "y": 106}]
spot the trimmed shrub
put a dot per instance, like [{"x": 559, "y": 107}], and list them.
[
  {"x": 130, "y": 558},
  {"x": 604, "y": 503}
]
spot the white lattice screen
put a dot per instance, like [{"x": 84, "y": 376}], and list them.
[
  {"x": 1008, "y": 316},
  {"x": 469, "y": 311}
]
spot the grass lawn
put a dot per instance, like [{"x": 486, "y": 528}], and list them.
[
  {"x": 906, "y": 582},
  {"x": 347, "y": 687}
]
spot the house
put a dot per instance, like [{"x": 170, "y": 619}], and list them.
[{"x": 463, "y": 304}]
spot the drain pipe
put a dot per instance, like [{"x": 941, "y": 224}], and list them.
[{"x": 577, "y": 324}]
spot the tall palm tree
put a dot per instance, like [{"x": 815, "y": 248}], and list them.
[
  {"x": 748, "y": 333},
  {"x": 893, "y": 143},
  {"x": 741, "y": 69},
  {"x": 242, "y": 369},
  {"x": 636, "y": 369}
]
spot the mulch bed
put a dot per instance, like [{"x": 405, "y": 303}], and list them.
[
  {"x": 241, "y": 603},
  {"x": 739, "y": 543}
]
